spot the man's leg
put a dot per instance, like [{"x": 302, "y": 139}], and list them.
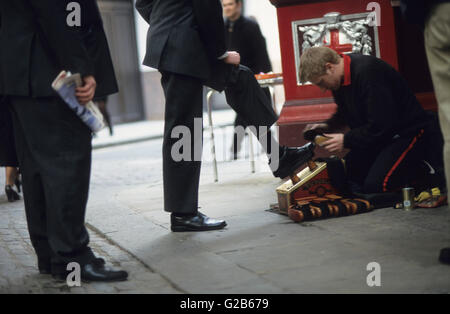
[
  {"x": 397, "y": 165},
  {"x": 437, "y": 44},
  {"x": 181, "y": 169},
  {"x": 55, "y": 153},
  {"x": 57, "y": 171},
  {"x": 181, "y": 177},
  {"x": 358, "y": 163},
  {"x": 247, "y": 98},
  {"x": 35, "y": 207},
  {"x": 239, "y": 136}
]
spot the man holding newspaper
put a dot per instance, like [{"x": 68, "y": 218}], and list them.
[{"x": 53, "y": 144}]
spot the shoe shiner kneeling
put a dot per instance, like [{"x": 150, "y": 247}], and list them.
[{"x": 392, "y": 141}]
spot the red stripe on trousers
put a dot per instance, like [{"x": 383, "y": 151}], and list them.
[{"x": 402, "y": 156}]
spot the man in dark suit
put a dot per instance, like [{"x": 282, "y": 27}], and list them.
[
  {"x": 186, "y": 43},
  {"x": 53, "y": 144}
]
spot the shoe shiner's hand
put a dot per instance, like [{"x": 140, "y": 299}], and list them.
[
  {"x": 233, "y": 58},
  {"x": 313, "y": 129},
  {"x": 314, "y": 133},
  {"x": 86, "y": 92},
  {"x": 335, "y": 144}
]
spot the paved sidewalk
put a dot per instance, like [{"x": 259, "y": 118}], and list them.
[
  {"x": 263, "y": 252},
  {"x": 18, "y": 270},
  {"x": 258, "y": 252}
]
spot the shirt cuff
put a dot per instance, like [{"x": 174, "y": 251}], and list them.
[{"x": 223, "y": 56}]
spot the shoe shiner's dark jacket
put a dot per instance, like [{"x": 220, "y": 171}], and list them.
[{"x": 376, "y": 103}]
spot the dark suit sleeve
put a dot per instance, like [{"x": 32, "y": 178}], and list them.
[
  {"x": 260, "y": 48},
  {"x": 63, "y": 40},
  {"x": 144, "y": 7},
  {"x": 208, "y": 14}
]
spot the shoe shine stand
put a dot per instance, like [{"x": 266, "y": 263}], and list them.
[{"x": 313, "y": 181}]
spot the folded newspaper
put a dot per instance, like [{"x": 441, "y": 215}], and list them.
[{"x": 65, "y": 85}]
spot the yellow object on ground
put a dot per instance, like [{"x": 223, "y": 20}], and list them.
[
  {"x": 422, "y": 196},
  {"x": 435, "y": 192}
]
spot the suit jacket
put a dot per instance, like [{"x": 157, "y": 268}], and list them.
[
  {"x": 37, "y": 43},
  {"x": 185, "y": 36},
  {"x": 245, "y": 37}
]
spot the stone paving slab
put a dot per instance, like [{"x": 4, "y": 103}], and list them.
[
  {"x": 18, "y": 265},
  {"x": 258, "y": 252},
  {"x": 263, "y": 252}
]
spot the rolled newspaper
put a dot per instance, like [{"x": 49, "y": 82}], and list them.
[{"x": 65, "y": 85}]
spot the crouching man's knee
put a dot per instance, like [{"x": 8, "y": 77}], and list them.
[{"x": 373, "y": 186}]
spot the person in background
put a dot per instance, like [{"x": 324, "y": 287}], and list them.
[
  {"x": 244, "y": 36},
  {"x": 434, "y": 17}
]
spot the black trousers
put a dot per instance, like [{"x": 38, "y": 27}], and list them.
[
  {"x": 54, "y": 152},
  {"x": 240, "y": 121},
  {"x": 184, "y": 104},
  {"x": 8, "y": 155},
  {"x": 394, "y": 165}
]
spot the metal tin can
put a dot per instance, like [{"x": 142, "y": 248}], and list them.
[{"x": 408, "y": 198}]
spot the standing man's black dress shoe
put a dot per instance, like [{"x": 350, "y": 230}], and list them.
[
  {"x": 94, "y": 271},
  {"x": 292, "y": 158},
  {"x": 46, "y": 267},
  {"x": 199, "y": 222}
]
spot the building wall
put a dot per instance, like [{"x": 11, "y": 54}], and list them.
[{"x": 153, "y": 95}]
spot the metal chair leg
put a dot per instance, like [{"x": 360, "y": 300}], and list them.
[
  {"x": 211, "y": 128},
  {"x": 252, "y": 153}
]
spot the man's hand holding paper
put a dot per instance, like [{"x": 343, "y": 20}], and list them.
[{"x": 86, "y": 92}]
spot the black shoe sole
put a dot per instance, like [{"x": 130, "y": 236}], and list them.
[
  {"x": 59, "y": 278},
  {"x": 83, "y": 280},
  {"x": 63, "y": 278},
  {"x": 191, "y": 229}
]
